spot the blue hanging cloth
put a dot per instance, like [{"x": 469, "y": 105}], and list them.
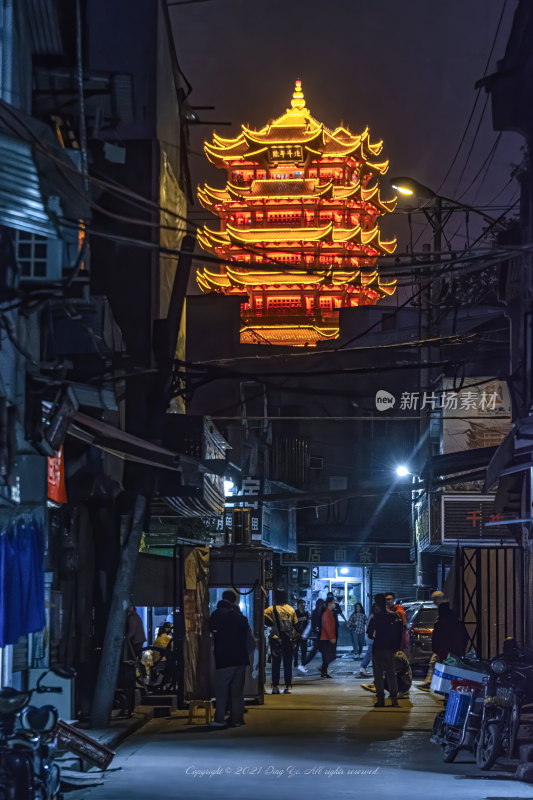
[{"x": 21, "y": 581}]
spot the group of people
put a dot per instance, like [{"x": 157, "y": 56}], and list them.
[
  {"x": 386, "y": 628},
  {"x": 290, "y": 631}
]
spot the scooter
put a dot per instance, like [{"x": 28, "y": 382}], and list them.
[
  {"x": 508, "y": 690},
  {"x": 27, "y": 769},
  {"x": 156, "y": 677}
]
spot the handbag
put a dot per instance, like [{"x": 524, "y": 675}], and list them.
[{"x": 275, "y": 646}]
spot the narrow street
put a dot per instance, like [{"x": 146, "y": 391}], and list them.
[{"x": 324, "y": 740}]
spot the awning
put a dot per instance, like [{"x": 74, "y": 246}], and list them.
[
  {"x": 514, "y": 454},
  {"x": 465, "y": 465},
  {"x": 39, "y": 182},
  {"x": 205, "y": 499},
  {"x": 120, "y": 443}
]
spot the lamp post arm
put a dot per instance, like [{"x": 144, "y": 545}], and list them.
[{"x": 463, "y": 206}]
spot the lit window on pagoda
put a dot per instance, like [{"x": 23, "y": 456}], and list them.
[{"x": 299, "y": 217}]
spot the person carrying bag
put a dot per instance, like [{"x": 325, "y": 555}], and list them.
[{"x": 282, "y": 619}]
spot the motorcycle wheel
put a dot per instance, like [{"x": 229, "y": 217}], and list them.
[
  {"x": 488, "y": 746},
  {"x": 448, "y": 753},
  {"x": 438, "y": 723}
]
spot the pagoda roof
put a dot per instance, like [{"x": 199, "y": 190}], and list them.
[
  {"x": 293, "y": 335},
  {"x": 212, "y": 240},
  {"x": 291, "y": 189},
  {"x": 296, "y": 127},
  {"x": 291, "y": 279}
]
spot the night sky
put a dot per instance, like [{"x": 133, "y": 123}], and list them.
[{"x": 407, "y": 69}]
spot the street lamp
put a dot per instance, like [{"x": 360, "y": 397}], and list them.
[
  {"x": 409, "y": 187},
  {"x": 402, "y": 471}
]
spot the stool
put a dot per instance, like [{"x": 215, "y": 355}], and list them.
[{"x": 205, "y": 706}]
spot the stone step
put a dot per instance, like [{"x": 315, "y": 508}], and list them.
[{"x": 167, "y": 700}]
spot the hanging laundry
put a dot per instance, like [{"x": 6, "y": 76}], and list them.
[{"x": 22, "y": 609}]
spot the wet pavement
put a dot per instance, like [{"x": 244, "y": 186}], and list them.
[{"x": 323, "y": 740}]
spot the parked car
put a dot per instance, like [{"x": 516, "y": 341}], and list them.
[{"x": 421, "y": 619}]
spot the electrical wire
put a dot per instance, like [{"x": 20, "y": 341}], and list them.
[
  {"x": 472, "y": 145},
  {"x": 486, "y": 163},
  {"x": 463, "y": 137}
]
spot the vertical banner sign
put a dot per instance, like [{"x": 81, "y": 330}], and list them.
[{"x": 57, "y": 491}]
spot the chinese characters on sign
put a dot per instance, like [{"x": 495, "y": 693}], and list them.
[
  {"x": 286, "y": 153},
  {"x": 331, "y": 554},
  {"x": 472, "y": 518},
  {"x": 449, "y": 401}
]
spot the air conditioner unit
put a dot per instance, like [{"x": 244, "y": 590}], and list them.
[{"x": 316, "y": 462}]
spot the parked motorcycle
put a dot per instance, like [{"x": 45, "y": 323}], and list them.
[
  {"x": 508, "y": 689},
  {"x": 27, "y": 749},
  {"x": 159, "y": 676},
  {"x": 457, "y": 727}
]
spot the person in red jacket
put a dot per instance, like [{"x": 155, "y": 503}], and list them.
[
  {"x": 392, "y": 605},
  {"x": 328, "y": 637}
]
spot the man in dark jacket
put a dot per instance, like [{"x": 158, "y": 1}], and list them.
[
  {"x": 233, "y": 643},
  {"x": 385, "y": 629},
  {"x": 450, "y": 636}
]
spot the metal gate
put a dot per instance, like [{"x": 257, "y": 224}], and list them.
[{"x": 491, "y": 584}]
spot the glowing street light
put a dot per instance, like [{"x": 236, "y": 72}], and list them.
[{"x": 402, "y": 471}]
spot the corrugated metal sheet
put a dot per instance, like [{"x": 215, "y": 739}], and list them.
[
  {"x": 38, "y": 181},
  {"x": 44, "y": 27},
  {"x": 21, "y": 202}
]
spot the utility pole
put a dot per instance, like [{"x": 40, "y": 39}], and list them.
[
  {"x": 114, "y": 635},
  {"x": 428, "y": 298}
]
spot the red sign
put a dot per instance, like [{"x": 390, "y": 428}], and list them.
[{"x": 56, "y": 478}]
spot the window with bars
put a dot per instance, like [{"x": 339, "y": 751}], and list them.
[
  {"x": 38, "y": 257},
  {"x": 284, "y": 302},
  {"x": 32, "y": 254}
]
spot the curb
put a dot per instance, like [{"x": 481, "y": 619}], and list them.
[{"x": 119, "y": 730}]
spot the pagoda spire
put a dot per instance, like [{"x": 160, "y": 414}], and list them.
[{"x": 298, "y": 100}]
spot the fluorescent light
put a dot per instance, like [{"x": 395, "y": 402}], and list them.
[{"x": 402, "y": 189}]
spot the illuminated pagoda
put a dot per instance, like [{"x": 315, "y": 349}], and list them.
[{"x": 298, "y": 226}]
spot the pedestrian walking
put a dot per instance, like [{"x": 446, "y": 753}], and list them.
[
  {"x": 364, "y": 672},
  {"x": 233, "y": 642},
  {"x": 328, "y": 637},
  {"x": 337, "y": 612},
  {"x": 385, "y": 628},
  {"x": 316, "y": 628},
  {"x": 437, "y": 598},
  {"x": 357, "y": 622},
  {"x": 303, "y": 627},
  {"x": 450, "y": 636},
  {"x": 282, "y": 619}
]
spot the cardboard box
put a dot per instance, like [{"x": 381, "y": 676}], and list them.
[{"x": 444, "y": 674}]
